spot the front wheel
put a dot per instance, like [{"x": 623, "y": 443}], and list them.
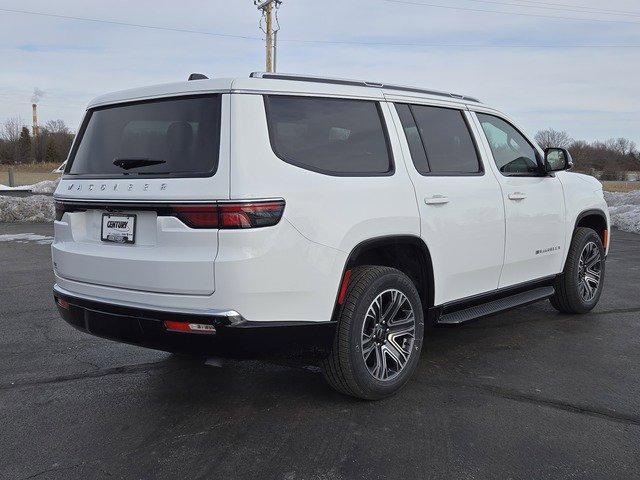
[
  {"x": 378, "y": 336},
  {"x": 579, "y": 287}
]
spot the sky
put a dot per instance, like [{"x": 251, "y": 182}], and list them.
[{"x": 577, "y": 72}]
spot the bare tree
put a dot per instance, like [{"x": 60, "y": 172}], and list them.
[
  {"x": 11, "y": 129},
  {"x": 57, "y": 127},
  {"x": 553, "y": 138},
  {"x": 56, "y": 138},
  {"x": 623, "y": 146}
]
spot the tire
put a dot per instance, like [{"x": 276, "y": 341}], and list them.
[
  {"x": 571, "y": 296},
  {"x": 357, "y": 336}
]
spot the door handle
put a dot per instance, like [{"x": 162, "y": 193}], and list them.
[
  {"x": 517, "y": 196},
  {"x": 436, "y": 200}
]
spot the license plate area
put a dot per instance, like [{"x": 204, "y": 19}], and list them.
[{"x": 118, "y": 228}]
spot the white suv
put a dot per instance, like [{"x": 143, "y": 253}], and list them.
[{"x": 237, "y": 216}]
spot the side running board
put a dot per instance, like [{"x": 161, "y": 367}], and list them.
[{"x": 495, "y": 306}]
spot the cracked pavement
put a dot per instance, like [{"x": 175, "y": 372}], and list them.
[{"x": 526, "y": 394}]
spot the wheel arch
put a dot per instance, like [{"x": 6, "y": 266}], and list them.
[
  {"x": 397, "y": 251},
  {"x": 596, "y": 219}
]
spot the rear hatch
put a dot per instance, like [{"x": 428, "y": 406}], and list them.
[{"x": 136, "y": 189}]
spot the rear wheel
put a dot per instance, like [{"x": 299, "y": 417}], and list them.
[
  {"x": 378, "y": 336},
  {"x": 579, "y": 287}
]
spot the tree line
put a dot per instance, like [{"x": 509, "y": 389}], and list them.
[
  {"x": 610, "y": 158},
  {"x": 18, "y": 144}
]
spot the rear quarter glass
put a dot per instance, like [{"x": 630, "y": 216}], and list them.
[
  {"x": 332, "y": 136},
  {"x": 177, "y": 136}
]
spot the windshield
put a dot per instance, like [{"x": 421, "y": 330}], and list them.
[{"x": 167, "y": 137}]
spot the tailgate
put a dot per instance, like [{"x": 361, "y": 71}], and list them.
[
  {"x": 135, "y": 161},
  {"x": 166, "y": 256}
]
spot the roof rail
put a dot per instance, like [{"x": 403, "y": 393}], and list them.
[{"x": 359, "y": 83}]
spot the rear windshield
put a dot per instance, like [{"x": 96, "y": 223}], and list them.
[{"x": 168, "y": 137}]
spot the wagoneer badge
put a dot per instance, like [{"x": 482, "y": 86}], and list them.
[{"x": 115, "y": 187}]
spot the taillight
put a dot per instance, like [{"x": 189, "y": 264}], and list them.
[
  {"x": 197, "y": 216},
  {"x": 230, "y": 215},
  {"x": 250, "y": 214},
  {"x": 60, "y": 209},
  {"x": 63, "y": 207}
]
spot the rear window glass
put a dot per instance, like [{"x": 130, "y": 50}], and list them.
[
  {"x": 168, "y": 137},
  {"x": 326, "y": 135}
]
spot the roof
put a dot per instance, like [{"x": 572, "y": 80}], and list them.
[{"x": 260, "y": 82}]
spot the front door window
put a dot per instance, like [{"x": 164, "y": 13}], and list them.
[{"x": 513, "y": 154}]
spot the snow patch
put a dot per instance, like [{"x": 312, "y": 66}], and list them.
[
  {"x": 27, "y": 237},
  {"x": 46, "y": 186},
  {"x": 35, "y": 208},
  {"x": 624, "y": 209}
]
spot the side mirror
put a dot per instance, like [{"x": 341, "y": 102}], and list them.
[{"x": 556, "y": 159}]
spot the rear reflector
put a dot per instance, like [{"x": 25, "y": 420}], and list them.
[
  {"x": 63, "y": 303},
  {"x": 189, "y": 327},
  {"x": 605, "y": 238},
  {"x": 344, "y": 286}
]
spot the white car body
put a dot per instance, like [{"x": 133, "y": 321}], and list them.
[{"x": 483, "y": 232}]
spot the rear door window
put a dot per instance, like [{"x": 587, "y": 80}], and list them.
[
  {"x": 447, "y": 140},
  {"x": 169, "y": 137},
  {"x": 327, "y": 135}
]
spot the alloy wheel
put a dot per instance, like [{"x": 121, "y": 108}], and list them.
[
  {"x": 589, "y": 272},
  {"x": 388, "y": 334}
]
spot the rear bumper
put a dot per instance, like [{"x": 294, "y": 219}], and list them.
[{"x": 234, "y": 337}]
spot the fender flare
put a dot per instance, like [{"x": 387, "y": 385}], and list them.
[{"x": 592, "y": 211}]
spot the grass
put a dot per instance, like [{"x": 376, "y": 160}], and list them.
[
  {"x": 30, "y": 167},
  {"x": 28, "y": 173},
  {"x": 620, "y": 186}
]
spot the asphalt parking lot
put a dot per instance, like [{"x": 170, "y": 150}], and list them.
[{"x": 530, "y": 394}]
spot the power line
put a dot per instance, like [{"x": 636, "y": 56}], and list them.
[
  {"x": 595, "y": 9},
  {"x": 127, "y": 24},
  {"x": 462, "y": 45},
  {"x": 321, "y": 41},
  {"x": 558, "y": 7},
  {"x": 538, "y": 15}
]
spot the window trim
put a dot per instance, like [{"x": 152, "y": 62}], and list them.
[
  {"x": 424, "y": 149},
  {"x": 385, "y": 130},
  {"x": 474, "y": 141},
  {"x": 137, "y": 175},
  {"x": 540, "y": 173}
]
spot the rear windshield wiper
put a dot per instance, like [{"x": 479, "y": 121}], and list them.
[{"x": 136, "y": 162}]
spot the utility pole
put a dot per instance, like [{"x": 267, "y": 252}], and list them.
[
  {"x": 267, "y": 7},
  {"x": 269, "y": 53}
]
